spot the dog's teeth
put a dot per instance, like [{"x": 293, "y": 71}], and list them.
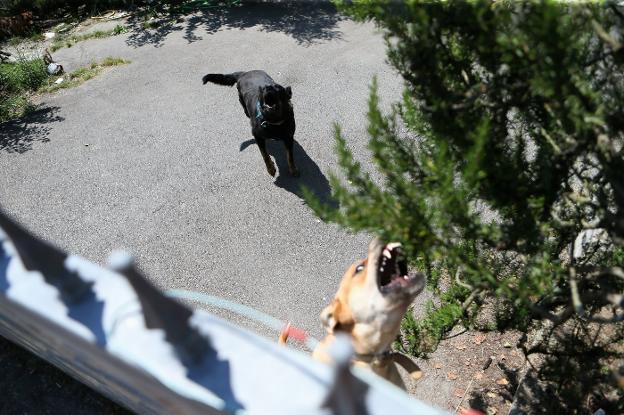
[
  {"x": 387, "y": 253},
  {"x": 381, "y": 269}
]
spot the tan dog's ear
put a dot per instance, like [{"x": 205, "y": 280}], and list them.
[{"x": 336, "y": 317}]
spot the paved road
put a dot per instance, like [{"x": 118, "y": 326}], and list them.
[{"x": 146, "y": 158}]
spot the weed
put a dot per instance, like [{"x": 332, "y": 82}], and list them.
[
  {"x": 37, "y": 37},
  {"x": 71, "y": 40},
  {"x": 20, "y": 79},
  {"x": 109, "y": 61},
  {"x": 14, "y": 41},
  {"x": 22, "y": 75},
  {"x": 150, "y": 24},
  {"x": 17, "y": 80},
  {"x": 14, "y": 106},
  {"x": 31, "y": 36},
  {"x": 81, "y": 75},
  {"x": 119, "y": 29},
  {"x": 419, "y": 338}
]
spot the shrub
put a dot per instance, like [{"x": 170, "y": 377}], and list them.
[
  {"x": 505, "y": 150},
  {"x": 16, "y": 80}
]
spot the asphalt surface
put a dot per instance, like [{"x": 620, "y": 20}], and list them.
[{"x": 146, "y": 158}]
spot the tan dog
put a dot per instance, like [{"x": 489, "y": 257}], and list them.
[{"x": 372, "y": 298}]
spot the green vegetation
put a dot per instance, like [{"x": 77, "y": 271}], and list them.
[
  {"x": 16, "y": 81},
  {"x": 21, "y": 79},
  {"x": 507, "y": 144},
  {"x": 51, "y": 8},
  {"x": 33, "y": 36},
  {"x": 82, "y": 75},
  {"x": 71, "y": 40},
  {"x": 150, "y": 24},
  {"x": 119, "y": 29}
]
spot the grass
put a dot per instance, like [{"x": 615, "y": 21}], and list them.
[
  {"x": 19, "y": 80},
  {"x": 22, "y": 75},
  {"x": 71, "y": 40},
  {"x": 193, "y": 5},
  {"x": 34, "y": 36},
  {"x": 14, "y": 106},
  {"x": 81, "y": 75},
  {"x": 421, "y": 337},
  {"x": 150, "y": 24}
]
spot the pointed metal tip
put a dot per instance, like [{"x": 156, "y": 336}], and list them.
[
  {"x": 341, "y": 350},
  {"x": 120, "y": 260},
  {"x": 162, "y": 312},
  {"x": 347, "y": 394}
]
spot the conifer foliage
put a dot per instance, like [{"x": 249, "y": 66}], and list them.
[{"x": 513, "y": 152}]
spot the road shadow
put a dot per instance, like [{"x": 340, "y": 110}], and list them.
[
  {"x": 306, "y": 22},
  {"x": 18, "y": 136},
  {"x": 311, "y": 175}
]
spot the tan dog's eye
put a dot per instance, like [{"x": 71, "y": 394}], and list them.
[{"x": 359, "y": 268}]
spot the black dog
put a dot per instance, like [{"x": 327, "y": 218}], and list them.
[{"x": 268, "y": 107}]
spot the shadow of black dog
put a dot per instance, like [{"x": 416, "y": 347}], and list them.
[{"x": 311, "y": 175}]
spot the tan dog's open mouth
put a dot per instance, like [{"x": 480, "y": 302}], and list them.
[{"x": 392, "y": 273}]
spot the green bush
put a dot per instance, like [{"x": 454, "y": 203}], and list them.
[
  {"x": 52, "y": 8},
  {"x": 507, "y": 145},
  {"x": 22, "y": 75},
  {"x": 71, "y": 40},
  {"x": 17, "y": 79},
  {"x": 13, "y": 106},
  {"x": 49, "y": 8},
  {"x": 83, "y": 74}
]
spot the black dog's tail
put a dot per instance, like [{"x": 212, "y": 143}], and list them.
[{"x": 222, "y": 79}]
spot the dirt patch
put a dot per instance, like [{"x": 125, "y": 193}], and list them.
[{"x": 470, "y": 369}]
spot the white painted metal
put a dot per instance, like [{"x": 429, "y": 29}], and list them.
[{"x": 95, "y": 328}]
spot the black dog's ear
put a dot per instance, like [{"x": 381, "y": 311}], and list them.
[{"x": 289, "y": 92}]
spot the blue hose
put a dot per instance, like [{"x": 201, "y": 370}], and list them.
[{"x": 240, "y": 309}]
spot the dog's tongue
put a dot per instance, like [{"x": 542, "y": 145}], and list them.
[{"x": 402, "y": 280}]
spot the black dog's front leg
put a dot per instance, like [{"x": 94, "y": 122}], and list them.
[
  {"x": 289, "y": 143},
  {"x": 265, "y": 156},
  {"x": 242, "y": 102}
]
